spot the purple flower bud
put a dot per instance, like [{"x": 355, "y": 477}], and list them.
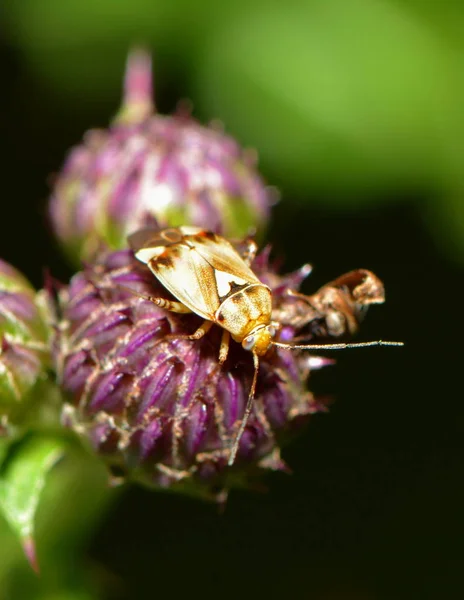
[
  {"x": 147, "y": 166},
  {"x": 24, "y": 353},
  {"x": 160, "y": 408}
]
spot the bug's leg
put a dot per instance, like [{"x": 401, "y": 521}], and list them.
[
  {"x": 196, "y": 335},
  {"x": 247, "y": 248},
  {"x": 171, "y": 305},
  {"x": 200, "y": 332},
  {"x": 295, "y": 294},
  {"x": 177, "y": 307},
  {"x": 224, "y": 348},
  {"x": 249, "y": 253}
]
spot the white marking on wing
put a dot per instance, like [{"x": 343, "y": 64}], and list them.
[
  {"x": 145, "y": 255},
  {"x": 225, "y": 280}
]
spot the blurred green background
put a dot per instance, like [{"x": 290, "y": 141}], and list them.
[
  {"x": 348, "y": 103},
  {"x": 356, "y": 110}
]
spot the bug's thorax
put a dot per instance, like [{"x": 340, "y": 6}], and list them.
[{"x": 245, "y": 311}]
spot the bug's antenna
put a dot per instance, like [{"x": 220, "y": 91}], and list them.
[
  {"x": 249, "y": 406},
  {"x": 335, "y": 346}
]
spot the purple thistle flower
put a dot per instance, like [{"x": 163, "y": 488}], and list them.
[
  {"x": 160, "y": 408},
  {"x": 146, "y": 166},
  {"x": 24, "y": 351}
]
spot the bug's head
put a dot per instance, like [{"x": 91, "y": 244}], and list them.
[{"x": 259, "y": 339}]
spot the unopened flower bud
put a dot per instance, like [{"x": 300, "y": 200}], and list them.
[
  {"x": 146, "y": 166},
  {"x": 24, "y": 354}
]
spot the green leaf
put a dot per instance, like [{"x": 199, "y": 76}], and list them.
[{"x": 22, "y": 481}]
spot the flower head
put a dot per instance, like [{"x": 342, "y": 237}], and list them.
[
  {"x": 148, "y": 165},
  {"x": 161, "y": 408}
]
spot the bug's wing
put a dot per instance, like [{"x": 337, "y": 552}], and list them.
[
  {"x": 150, "y": 242},
  {"x": 222, "y": 257},
  {"x": 189, "y": 278},
  {"x": 198, "y": 267}
]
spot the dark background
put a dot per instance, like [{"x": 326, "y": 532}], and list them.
[{"x": 373, "y": 509}]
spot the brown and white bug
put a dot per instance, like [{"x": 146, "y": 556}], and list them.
[
  {"x": 208, "y": 277},
  {"x": 336, "y": 309}
]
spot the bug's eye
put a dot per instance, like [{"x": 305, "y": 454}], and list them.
[
  {"x": 249, "y": 342},
  {"x": 272, "y": 330}
]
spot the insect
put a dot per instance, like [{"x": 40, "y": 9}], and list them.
[
  {"x": 210, "y": 278},
  {"x": 337, "y": 308}
]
